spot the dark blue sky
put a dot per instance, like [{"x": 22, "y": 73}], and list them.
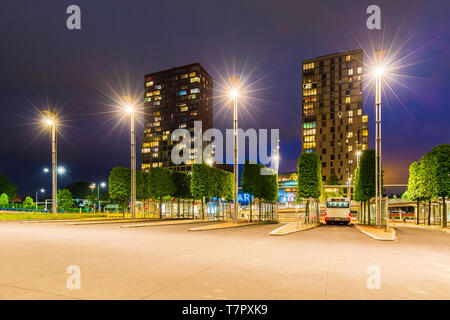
[{"x": 42, "y": 62}]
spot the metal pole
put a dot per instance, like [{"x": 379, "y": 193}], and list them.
[
  {"x": 98, "y": 197},
  {"x": 236, "y": 169},
  {"x": 378, "y": 186},
  {"x": 54, "y": 167},
  {"x": 133, "y": 168},
  {"x": 36, "y": 199}
]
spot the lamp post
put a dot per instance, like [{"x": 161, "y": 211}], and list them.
[
  {"x": 379, "y": 71},
  {"x": 234, "y": 96},
  {"x": 41, "y": 190},
  {"x": 130, "y": 109},
  {"x": 102, "y": 184},
  {"x": 50, "y": 120}
]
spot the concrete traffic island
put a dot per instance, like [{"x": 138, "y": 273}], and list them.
[
  {"x": 293, "y": 227},
  {"x": 420, "y": 226},
  {"x": 377, "y": 233},
  {"x": 224, "y": 225}
]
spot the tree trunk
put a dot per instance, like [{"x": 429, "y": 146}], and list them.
[
  {"x": 418, "y": 212},
  {"x": 368, "y": 212},
  {"x": 203, "y": 208},
  {"x": 160, "y": 207},
  {"x": 251, "y": 208},
  {"x": 360, "y": 212},
  {"x": 259, "y": 211},
  {"x": 444, "y": 213},
  {"x": 307, "y": 211},
  {"x": 429, "y": 213}
]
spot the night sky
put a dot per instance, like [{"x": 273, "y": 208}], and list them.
[{"x": 43, "y": 63}]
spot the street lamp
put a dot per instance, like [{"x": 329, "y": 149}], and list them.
[
  {"x": 50, "y": 120},
  {"x": 234, "y": 93},
  {"x": 129, "y": 108},
  {"x": 379, "y": 72},
  {"x": 42, "y": 191},
  {"x": 92, "y": 186}
]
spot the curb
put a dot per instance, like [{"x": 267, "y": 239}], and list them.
[
  {"x": 229, "y": 227},
  {"x": 394, "y": 234},
  {"x": 81, "y": 223},
  {"x": 155, "y": 224},
  {"x": 275, "y": 232}
]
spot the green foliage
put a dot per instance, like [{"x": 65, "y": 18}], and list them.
[
  {"x": 259, "y": 185},
  {"x": 405, "y": 195},
  {"x": 4, "y": 200},
  {"x": 416, "y": 191},
  {"x": 250, "y": 178},
  {"x": 7, "y": 187},
  {"x": 80, "y": 189},
  {"x": 182, "y": 182},
  {"x": 333, "y": 180},
  {"x": 441, "y": 154},
  {"x": 64, "y": 198},
  {"x": 161, "y": 183},
  {"x": 208, "y": 182},
  {"x": 142, "y": 185},
  {"x": 357, "y": 193},
  {"x": 120, "y": 183},
  {"x": 366, "y": 179},
  {"x": 28, "y": 203},
  {"x": 428, "y": 172},
  {"x": 309, "y": 181}
]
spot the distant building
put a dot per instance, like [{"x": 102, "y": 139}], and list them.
[
  {"x": 174, "y": 98},
  {"x": 333, "y": 123}
]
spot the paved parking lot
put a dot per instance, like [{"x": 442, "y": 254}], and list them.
[{"x": 168, "y": 262}]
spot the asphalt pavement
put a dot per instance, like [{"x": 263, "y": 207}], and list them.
[{"x": 168, "y": 262}]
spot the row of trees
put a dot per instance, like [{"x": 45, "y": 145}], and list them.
[
  {"x": 259, "y": 186},
  {"x": 364, "y": 183},
  {"x": 429, "y": 179},
  {"x": 162, "y": 183}
]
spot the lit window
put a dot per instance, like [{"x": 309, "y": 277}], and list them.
[
  {"x": 155, "y": 155},
  {"x": 350, "y": 120},
  {"x": 182, "y": 109},
  {"x": 347, "y": 58},
  {"x": 148, "y": 99},
  {"x": 359, "y": 69},
  {"x": 308, "y": 66},
  {"x": 149, "y": 84},
  {"x": 359, "y": 112},
  {"x": 182, "y": 93},
  {"x": 184, "y": 76},
  {"x": 145, "y": 166},
  {"x": 195, "y": 79},
  {"x": 350, "y": 148},
  {"x": 157, "y": 113},
  {"x": 350, "y": 134},
  {"x": 192, "y": 74},
  {"x": 183, "y": 125},
  {"x": 350, "y": 72},
  {"x": 195, "y": 90},
  {"x": 350, "y": 113},
  {"x": 365, "y": 133},
  {"x": 347, "y": 99},
  {"x": 192, "y": 96},
  {"x": 146, "y": 150},
  {"x": 365, "y": 118}
]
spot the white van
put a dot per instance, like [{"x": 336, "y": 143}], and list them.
[{"x": 338, "y": 211}]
